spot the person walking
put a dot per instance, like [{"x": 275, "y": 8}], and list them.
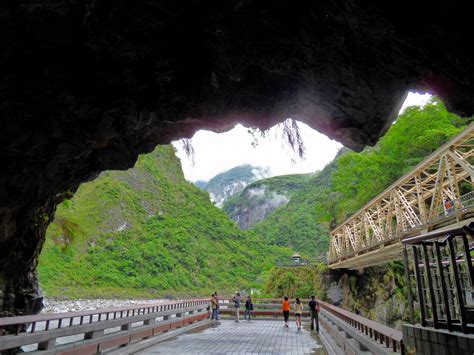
[
  {"x": 298, "y": 313},
  {"x": 236, "y": 300},
  {"x": 214, "y": 307},
  {"x": 218, "y": 309},
  {"x": 314, "y": 308},
  {"x": 285, "y": 306},
  {"x": 248, "y": 308}
]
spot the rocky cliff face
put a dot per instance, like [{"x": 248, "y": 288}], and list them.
[
  {"x": 262, "y": 197},
  {"x": 259, "y": 202},
  {"x": 233, "y": 181},
  {"x": 87, "y": 86}
]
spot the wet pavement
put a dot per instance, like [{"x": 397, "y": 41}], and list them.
[{"x": 229, "y": 337}]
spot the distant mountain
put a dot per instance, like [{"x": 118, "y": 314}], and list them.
[
  {"x": 262, "y": 197},
  {"x": 200, "y": 184},
  {"x": 233, "y": 181}
]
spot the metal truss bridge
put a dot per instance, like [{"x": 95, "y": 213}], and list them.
[{"x": 437, "y": 194}]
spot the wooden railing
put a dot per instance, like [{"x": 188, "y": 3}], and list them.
[
  {"x": 262, "y": 307},
  {"x": 389, "y": 337},
  {"x": 100, "y": 329},
  {"x": 92, "y": 332}
]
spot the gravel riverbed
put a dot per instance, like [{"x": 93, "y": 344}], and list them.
[{"x": 63, "y": 306}]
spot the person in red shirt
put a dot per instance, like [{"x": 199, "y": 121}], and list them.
[{"x": 285, "y": 306}]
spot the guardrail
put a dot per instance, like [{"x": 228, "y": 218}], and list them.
[
  {"x": 389, "y": 337},
  {"x": 262, "y": 307},
  {"x": 91, "y": 332}
]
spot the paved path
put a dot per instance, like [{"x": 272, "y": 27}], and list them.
[{"x": 229, "y": 337}]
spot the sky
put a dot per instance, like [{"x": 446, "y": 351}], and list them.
[{"x": 217, "y": 152}]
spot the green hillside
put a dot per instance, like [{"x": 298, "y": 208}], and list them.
[
  {"x": 262, "y": 197},
  {"x": 303, "y": 223},
  {"x": 352, "y": 179},
  {"x": 147, "y": 232}
]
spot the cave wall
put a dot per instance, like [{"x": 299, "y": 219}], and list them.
[{"x": 86, "y": 86}]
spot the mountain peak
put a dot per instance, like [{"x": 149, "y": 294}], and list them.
[{"x": 233, "y": 181}]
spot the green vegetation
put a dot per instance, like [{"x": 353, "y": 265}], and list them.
[
  {"x": 303, "y": 223},
  {"x": 302, "y": 281},
  {"x": 147, "y": 232},
  {"x": 284, "y": 184},
  {"x": 417, "y": 133},
  {"x": 352, "y": 179},
  {"x": 263, "y": 197},
  {"x": 338, "y": 191}
]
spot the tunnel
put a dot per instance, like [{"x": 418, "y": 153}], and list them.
[{"x": 88, "y": 85}]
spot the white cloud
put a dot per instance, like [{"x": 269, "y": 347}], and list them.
[
  {"x": 415, "y": 99},
  {"x": 215, "y": 153}
]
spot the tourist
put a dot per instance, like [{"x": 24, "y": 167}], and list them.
[
  {"x": 236, "y": 300},
  {"x": 214, "y": 307},
  {"x": 298, "y": 313},
  {"x": 448, "y": 206},
  {"x": 218, "y": 309},
  {"x": 248, "y": 308},
  {"x": 314, "y": 308},
  {"x": 285, "y": 306}
]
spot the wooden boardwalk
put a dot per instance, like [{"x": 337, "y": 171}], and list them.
[{"x": 255, "y": 337}]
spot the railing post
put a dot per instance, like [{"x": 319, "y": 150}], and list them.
[
  {"x": 94, "y": 334},
  {"x": 421, "y": 297},
  {"x": 47, "y": 345},
  {"x": 443, "y": 286},
  {"x": 406, "y": 264},
  {"x": 434, "y": 311},
  {"x": 462, "y": 309}
]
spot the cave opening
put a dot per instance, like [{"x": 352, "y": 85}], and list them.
[
  {"x": 90, "y": 249},
  {"x": 88, "y": 87}
]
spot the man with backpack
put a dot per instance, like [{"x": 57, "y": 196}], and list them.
[
  {"x": 248, "y": 308},
  {"x": 314, "y": 308}
]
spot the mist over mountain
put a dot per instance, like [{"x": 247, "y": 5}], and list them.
[{"x": 233, "y": 181}]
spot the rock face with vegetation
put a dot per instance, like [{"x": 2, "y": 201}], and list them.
[
  {"x": 261, "y": 198},
  {"x": 377, "y": 293},
  {"x": 146, "y": 232},
  {"x": 233, "y": 181}
]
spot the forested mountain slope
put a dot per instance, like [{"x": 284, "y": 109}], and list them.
[
  {"x": 148, "y": 232},
  {"x": 351, "y": 180},
  {"x": 262, "y": 197}
]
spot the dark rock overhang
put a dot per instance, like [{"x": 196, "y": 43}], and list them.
[{"x": 88, "y": 85}]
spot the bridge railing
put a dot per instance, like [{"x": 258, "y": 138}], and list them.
[
  {"x": 94, "y": 331},
  {"x": 262, "y": 307},
  {"x": 442, "y": 270},
  {"x": 386, "y": 336},
  {"x": 461, "y": 205}
]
